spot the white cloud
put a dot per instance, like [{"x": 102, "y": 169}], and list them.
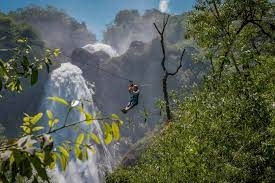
[{"x": 164, "y": 6}]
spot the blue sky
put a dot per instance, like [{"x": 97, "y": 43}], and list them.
[{"x": 98, "y": 13}]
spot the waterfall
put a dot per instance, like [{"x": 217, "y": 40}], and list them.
[{"x": 67, "y": 82}]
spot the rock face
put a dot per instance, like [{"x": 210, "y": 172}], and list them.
[{"x": 57, "y": 29}]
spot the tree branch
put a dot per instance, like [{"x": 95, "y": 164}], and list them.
[
  {"x": 181, "y": 59},
  {"x": 262, "y": 29},
  {"x": 6, "y": 147},
  {"x": 161, "y": 33}
]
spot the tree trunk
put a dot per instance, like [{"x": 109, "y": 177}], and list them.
[{"x": 166, "y": 97}]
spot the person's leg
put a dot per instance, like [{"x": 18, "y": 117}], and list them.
[{"x": 128, "y": 107}]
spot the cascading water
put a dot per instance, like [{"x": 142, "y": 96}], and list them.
[{"x": 67, "y": 82}]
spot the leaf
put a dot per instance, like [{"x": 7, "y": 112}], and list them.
[
  {"x": 63, "y": 161},
  {"x": 115, "y": 129},
  {"x": 52, "y": 122},
  {"x": 53, "y": 163},
  {"x": 115, "y": 117},
  {"x": 78, "y": 152},
  {"x": 26, "y": 121},
  {"x": 56, "y": 52},
  {"x": 36, "y": 118},
  {"x": 21, "y": 40},
  {"x": 3, "y": 68},
  {"x": 26, "y": 130},
  {"x": 108, "y": 139},
  {"x": 59, "y": 100},
  {"x": 25, "y": 63},
  {"x": 80, "y": 139},
  {"x": 49, "y": 114},
  {"x": 34, "y": 76},
  {"x": 64, "y": 152},
  {"x": 38, "y": 128},
  {"x": 107, "y": 128},
  {"x": 88, "y": 118},
  {"x": 95, "y": 138},
  {"x": 84, "y": 154}
]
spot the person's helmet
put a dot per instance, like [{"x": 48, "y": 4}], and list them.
[{"x": 135, "y": 87}]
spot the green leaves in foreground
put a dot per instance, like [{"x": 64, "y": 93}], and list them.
[
  {"x": 30, "y": 123},
  {"x": 59, "y": 100},
  {"x": 29, "y": 156}
]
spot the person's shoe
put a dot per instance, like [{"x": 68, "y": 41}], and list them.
[{"x": 124, "y": 111}]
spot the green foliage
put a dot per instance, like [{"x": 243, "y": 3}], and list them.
[
  {"x": 222, "y": 27},
  {"x": 21, "y": 66},
  {"x": 11, "y": 34},
  {"x": 30, "y": 155},
  {"x": 224, "y": 131}
]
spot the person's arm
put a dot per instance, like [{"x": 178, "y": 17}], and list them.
[
  {"x": 130, "y": 87},
  {"x": 135, "y": 92}
]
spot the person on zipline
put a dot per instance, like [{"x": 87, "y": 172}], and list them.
[{"x": 134, "y": 91}]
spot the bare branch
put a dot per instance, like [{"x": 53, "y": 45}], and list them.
[
  {"x": 165, "y": 22},
  {"x": 181, "y": 59},
  {"x": 157, "y": 28}
]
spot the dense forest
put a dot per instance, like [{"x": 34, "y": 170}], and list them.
[{"x": 221, "y": 97}]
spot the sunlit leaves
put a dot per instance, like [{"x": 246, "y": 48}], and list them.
[
  {"x": 36, "y": 118},
  {"x": 38, "y": 146},
  {"x": 63, "y": 157},
  {"x": 89, "y": 118},
  {"x": 22, "y": 40},
  {"x": 115, "y": 130},
  {"x": 77, "y": 148},
  {"x": 95, "y": 138},
  {"x": 80, "y": 139},
  {"x": 59, "y": 100},
  {"x": 115, "y": 117},
  {"x": 56, "y": 52},
  {"x": 108, "y": 138},
  {"x": 52, "y": 121},
  {"x": 30, "y": 123},
  {"x": 37, "y": 128},
  {"x": 49, "y": 114}
]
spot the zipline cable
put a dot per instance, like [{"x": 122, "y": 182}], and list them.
[{"x": 110, "y": 73}]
